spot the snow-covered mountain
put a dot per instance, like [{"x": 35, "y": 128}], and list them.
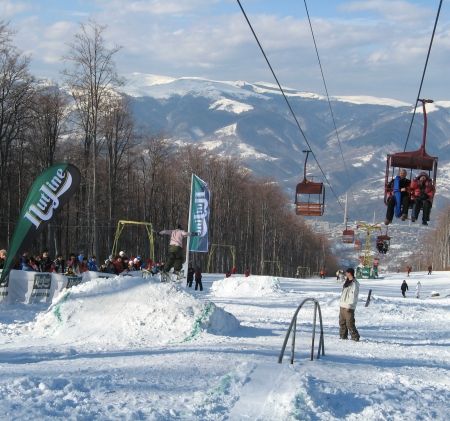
[{"x": 252, "y": 122}]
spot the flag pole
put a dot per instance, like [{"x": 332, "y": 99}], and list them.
[{"x": 186, "y": 263}]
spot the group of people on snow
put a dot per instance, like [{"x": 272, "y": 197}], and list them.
[
  {"x": 417, "y": 194},
  {"x": 42, "y": 262},
  {"x": 404, "y": 287}
]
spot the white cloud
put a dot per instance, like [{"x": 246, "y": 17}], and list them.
[
  {"x": 9, "y": 8},
  {"x": 371, "y": 49},
  {"x": 392, "y": 10},
  {"x": 155, "y": 7}
]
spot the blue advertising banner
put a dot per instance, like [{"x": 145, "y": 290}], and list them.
[{"x": 199, "y": 213}]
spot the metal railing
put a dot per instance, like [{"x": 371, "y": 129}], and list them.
[{"x": 293, "y": 328}]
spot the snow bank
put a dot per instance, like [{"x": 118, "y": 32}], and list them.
[
  {"x": 241, "y": 286},
  {"x": 129, "y": 312}
]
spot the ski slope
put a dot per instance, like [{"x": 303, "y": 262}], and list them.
[{"x": 134, "y": 349}]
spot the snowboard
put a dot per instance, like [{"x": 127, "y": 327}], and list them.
[{"x": 398, "y": 197}]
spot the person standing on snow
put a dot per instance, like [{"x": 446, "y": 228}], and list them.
[
  {"x": 190, "y": 276},
  {"x": 198, "y": 279},
  {"x": 175, "y": 257},
  {"x": 347, "y": 304},
  {"x": 418, "y": 289},
  {"x": 404, "y": 288}
]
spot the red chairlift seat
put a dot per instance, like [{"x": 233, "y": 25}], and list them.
[
  {"x": 383, "y": 238},
  {"x": 348, "y": 236},
  {"x": 309, "y": 196},
  {"x": 383, "y": 243},
  {"x": 413, "y": 160}
]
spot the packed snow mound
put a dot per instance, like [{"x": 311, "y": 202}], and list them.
[
  {"x": 129, "y": 312},
  {"x": 241, "y": 286}
]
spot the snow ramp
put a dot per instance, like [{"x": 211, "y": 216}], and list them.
[
  {"x": 129, "y": 312},
  {"x": 251, "y": 286}
]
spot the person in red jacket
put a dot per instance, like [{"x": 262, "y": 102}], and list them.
[{"x": 422, "y": 192}]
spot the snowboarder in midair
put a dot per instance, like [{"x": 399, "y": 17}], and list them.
[{"x": 175, "y": 257}]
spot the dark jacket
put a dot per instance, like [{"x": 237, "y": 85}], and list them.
[
  {"x": 60, "y": 266},
  {"x": 190, "y": 275},
  {"x": 404, "y": 286},
  {"x": 404, "y": 184}
]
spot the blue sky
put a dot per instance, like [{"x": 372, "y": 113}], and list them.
[{"x": 367, "y": 47}]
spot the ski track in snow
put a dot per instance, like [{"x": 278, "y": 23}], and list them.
[{"x": 134, "y": 349}]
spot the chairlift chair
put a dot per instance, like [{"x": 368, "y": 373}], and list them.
[
  {"x": 383, "y": 243},
  {"x": 413, "y": 160},
  {"x": 309, "y": 196},
  {"x": 348, "y": 236}
]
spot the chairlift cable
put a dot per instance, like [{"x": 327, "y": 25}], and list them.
[
  {"x": 328, "y": 97},
  {"x": 423, "y": 74},
  {"x": 287, "y": 102}
]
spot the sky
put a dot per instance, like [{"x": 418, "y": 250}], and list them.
[{"x": 366, "y": 47}]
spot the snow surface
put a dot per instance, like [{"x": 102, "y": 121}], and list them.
[
  {"x": 225, "y": 104},
  {"x": 227, "y": 130},
  {"x": 163, "y": 87},
  {"x": 130, "y": 348},
  {"x": 372, "y": 100}
]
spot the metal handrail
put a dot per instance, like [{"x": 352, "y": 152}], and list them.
[{"x": 293, "y": 326}]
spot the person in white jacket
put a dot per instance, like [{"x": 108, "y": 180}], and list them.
[
  {"x": 418, "y": 289},
  {"x": 347, "y": 304}
]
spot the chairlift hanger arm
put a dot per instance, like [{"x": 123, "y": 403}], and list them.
[
  {"x": 287, "y": 102},
  {"x": 423, "y": 73}
]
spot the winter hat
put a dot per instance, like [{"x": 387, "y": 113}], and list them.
[
  {"x": 351, "y": 271},
  {"x": 423, "y": 173}
]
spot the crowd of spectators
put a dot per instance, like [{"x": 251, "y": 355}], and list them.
[{"x": 78, "y": 264}]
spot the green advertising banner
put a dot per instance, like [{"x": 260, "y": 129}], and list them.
[
  {"x": 199, "y": 215},
  {"x": 52, "y": 189}
]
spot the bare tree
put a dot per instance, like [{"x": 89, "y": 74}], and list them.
[
  {"x": 91, "y": 79},
  {"x": 16, "y": 87},
  {"x": 117, "y": 129},
  {"x": 438, "y": 243},
  {"x": 49, "y": 112}
]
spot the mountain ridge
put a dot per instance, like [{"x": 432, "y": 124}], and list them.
[{"x": 252, "y": 122}]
